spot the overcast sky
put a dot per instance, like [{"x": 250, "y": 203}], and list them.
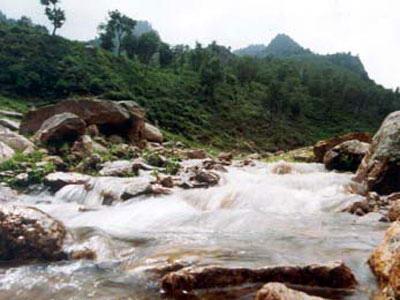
[{"x": 369, "y": 28}]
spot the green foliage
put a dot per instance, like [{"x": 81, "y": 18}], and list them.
[
  {"x": 13, "y": 170},
  {"x": 54, "y": 13}
]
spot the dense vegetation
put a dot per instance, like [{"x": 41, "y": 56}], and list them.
[{"x": 207, "y": 94}]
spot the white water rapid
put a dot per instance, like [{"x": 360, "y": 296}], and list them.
[{"x": 252, "y": 218}]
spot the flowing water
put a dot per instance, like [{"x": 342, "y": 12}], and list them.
[{"x": 252, "y": 218}]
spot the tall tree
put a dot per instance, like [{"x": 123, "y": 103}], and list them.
[
  {"x": 148, "y": 45},
  {"x": 54, "y": 13},
  {"x": 113, "y": 32}
]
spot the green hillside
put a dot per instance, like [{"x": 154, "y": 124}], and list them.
[{"x": 207, "y": 94}]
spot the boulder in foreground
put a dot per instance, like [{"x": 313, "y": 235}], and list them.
[
  {"x": 332, "y": 275},
  {"x": 346, "y": 156},
  {"x": 27, "y": 233},
  {"x": 385, "y": 262},
  {"x": 324, "y": 146},
  {"x": 279, "y": 291}
]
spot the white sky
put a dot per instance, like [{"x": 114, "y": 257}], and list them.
[{"x": 370, "y": 28}]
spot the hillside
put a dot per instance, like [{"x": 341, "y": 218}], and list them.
[{"x": 205, "y": 95}]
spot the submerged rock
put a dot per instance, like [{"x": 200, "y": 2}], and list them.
[
  {"x": 61, "y": 127},
  {"x": 332, "y": 275},
  {"x": 27, "y": 233},
  {"x": 324, "y": 146},
  {"x": 385, "y": 262},
  {"x": 346, "y": 156},
  {"x": 279, "y": 291},
  {"x": 152, "y": 134},
  {"x": 379, "y": 170}
]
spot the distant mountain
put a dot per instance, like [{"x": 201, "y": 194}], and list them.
[
  {"x": 143, "y": 27},
  {"x": 283, "y": 46}
]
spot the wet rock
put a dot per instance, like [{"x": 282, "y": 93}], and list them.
[
  {"x": 167, "y": 182},
  {"x": 152, "y": 134},
  {"x": 91, "y": 111},
  {"x": 279, "y": 291},
  {"x": 58, "y": 180},
  {"x": 118, "y": 168},
  {"x": 61, "y": 127},
  {"x": 196, "y": 154},
  {"x": 7, "y": 194},
  {"x": 28, "y": 233},
  {"x": 85, "y": 254},
  {"x": 332, "y": 275},
  {"x": 346, "y": 156},
  {"x": 16, "y": 141},
  {"x": 394, "y": 212},
  {"x": 11, "y": 114},
  {"x": 137, "y": 188},
  {"x": 379, "y": 170},
  {"x": 207, "y": 178},
  {"x": 324, "y": 146},
  {"x": 225, "y": 156},
  {"x": 282, "y": 168},
  {"x": 385, "y": 262},
  {"x": 214, "y": 165},
  {"x": 10, "y": 124},
  {"x": 5, "y": 152}
]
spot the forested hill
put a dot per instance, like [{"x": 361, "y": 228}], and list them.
[{"x": 205, "y": 94}]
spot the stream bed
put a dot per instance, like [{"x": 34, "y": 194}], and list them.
[{"x": 253, "y": 218}]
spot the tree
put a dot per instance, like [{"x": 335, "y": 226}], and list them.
[
  {"x": 212, "y": 73},
  {"x": 54, "y": 13},
  {"x": 113, "y": 32},
  {"x": 148, "y": 45},
  {"x": 166, "y": 55}
]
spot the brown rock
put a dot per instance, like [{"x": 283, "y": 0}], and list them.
[
  {"x": 324, "y": 146},
  {"x": 379, "y": 170},
  {"x": 92, "y": 130},
  {"x": 152, "y": 134},
  {"x": 282, "y": 168},
  {"x": 279, "y": 291},
  {"x": 61, "y": 127},
  {"x": 196, "y": 154},
  {"x": 136, "y": 123},
  {"x": 28, "y": 233},
  {"x": 333, "y": 275},
  {"x": 394, "y": 211},
  {"x": 346, "y": 156},
  {"x": 167, "y": 182},
  {"x": 225, "y": 156},
  {"x": 385, "y": 262},
  {"x": 208, "y": 178}
]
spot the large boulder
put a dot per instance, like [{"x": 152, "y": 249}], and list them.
[
  {"x": 58, "y": 180},
  {"x": 15, "y": 141},
  {"x": 332, "y": 275},
  {"x": 279, "y": 291},
  {"x": 385, "y": 262},
  {"x": 61, "y": 127},
  {"x": 5, "y": 152},
  {"x": 346, "y": 156},
  {"x": 380, "y": 170},
  {"x": 27, "y": 233},
  {"x": 152, "y": 134},
  {"x": 136, "y": 123},
  {"x": 324, "y": 146},
  {"x": 92, "y": 111}
]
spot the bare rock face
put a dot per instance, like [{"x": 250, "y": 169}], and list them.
[
  {"x": 5, "y": 152},
  {"x": 379, "y": 170},
  {"x": 61, "y": 127},
  {"x": 15, "y": 141},
  {"x": 152, "y": 134},
  {"x": 58, "y": 180},
  {"x": 324, "y": 146},
  {"x": 27, "y": 233},
  {"x": 385, "y": 262},
  {"x": 91, "y": 111},
  {"x": 332, "y": 275},
  {"x": 346, "y": 156},
  {"x": 279, "y": 291}
]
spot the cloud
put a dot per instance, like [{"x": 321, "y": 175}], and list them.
[{"x": 369, "y": 28}]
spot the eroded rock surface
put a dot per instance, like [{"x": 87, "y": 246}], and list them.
[
  {"x": 346, "y": 156},
  {"x": 385, "y": 262},
  {"x": 324, "y": 146},
  {"x": 27, "y": 233},
  {"x": 332, "y": 275},
  {"x": 379, "y": 170}
]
